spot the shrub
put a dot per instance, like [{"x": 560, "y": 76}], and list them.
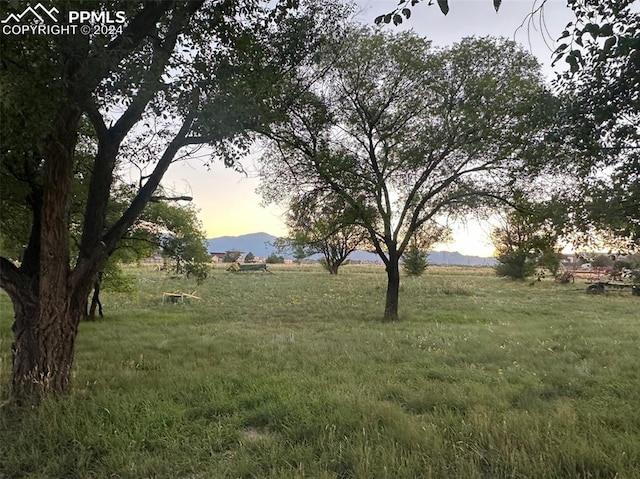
[
  {"x": 515, "y": 265},
  {"x": 274, "y": 259}
]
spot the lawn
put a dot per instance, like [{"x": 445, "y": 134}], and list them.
[{"x": 291, "y": 375}]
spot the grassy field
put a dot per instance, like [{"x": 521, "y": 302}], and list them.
[{"x": 292, "y": 375}]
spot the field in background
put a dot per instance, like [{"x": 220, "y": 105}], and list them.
[{"x": 291, "y": 374}]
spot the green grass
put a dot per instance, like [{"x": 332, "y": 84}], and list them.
[{"x": 293, "y": 375}]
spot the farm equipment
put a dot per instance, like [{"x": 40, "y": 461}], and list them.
[
  {"x": 599, "y": 280},
  {"x": 600, "y": 287},
  {"x": 178, "y": 297},
  {"x": 246, "y": 268},
  {"x": 619, "y": 280}
]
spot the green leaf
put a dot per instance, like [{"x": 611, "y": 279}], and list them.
[
  {"x": 593, "y": 29},
  {"x": 397, "y": 19},
  {"x": 444, "y": 6},
  {"x": 379, "y": 19},
  {"x": 606, "y": 48},
  {"x": 387, "y": 18},
  {"x": 406, "y": 12},
  {"x": 573, "y": 63},
  {"x": 606, "y": 30},
  {"x": 561, "y": 48}
]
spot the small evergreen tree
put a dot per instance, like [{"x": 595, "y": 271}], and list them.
[
  {"x": 515, "y": 265},
  {"x": 414, "y": 261},
  {"x": 250, "y": 258}
]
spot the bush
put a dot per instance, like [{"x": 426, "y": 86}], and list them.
[
  {"x": 515, "y": 265},
  {"x": 274, "y": 259},
  {"x": 602, "y": 261}
]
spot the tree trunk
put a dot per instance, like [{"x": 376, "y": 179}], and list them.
[
  {"x": 393, "y": 290},
  {"x": 47, "y": 316},
  {"x": 42, "y": 354},
  {"x": 95, "y": 299},
  {"x": 25, "y": 344}
]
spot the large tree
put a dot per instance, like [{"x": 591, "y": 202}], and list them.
[
  {"x": 404, "y": 134},
  {"x": 599, "y": 52},
  {"x": 178, "y": 75}
]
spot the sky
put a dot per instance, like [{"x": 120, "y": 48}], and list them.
[{"x": 228, "y": 203}]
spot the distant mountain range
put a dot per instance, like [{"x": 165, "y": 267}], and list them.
[{"x": 261, "y": 244}]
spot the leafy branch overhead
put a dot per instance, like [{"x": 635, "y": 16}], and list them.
[
  {"x": 601, "y": 122},
  {"x": 403, "y": 10}
]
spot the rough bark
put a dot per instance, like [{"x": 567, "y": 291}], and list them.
[
  {"x": 49, "y": 297},
  {"x": 25, "y": 342},
  {"x": 45, "y": 326}
]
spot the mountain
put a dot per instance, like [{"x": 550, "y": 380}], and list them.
[
  {"x": 452, "y": 258},
  {"x": 261, "y": 244}
]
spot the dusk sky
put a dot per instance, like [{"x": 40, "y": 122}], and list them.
[{"x": 227, "y": 200}]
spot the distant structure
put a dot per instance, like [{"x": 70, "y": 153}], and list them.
[{"x": 216, "y": 257}]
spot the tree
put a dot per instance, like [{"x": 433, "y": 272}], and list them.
[
  {"x": 250, "y": 258},
  {"x": 601, "y": 48},
  {"x": 524, "y": 242},
  {"x": 403, "y": 134},
  {"x": 177, "y": 75},
  {"x": 231, "y": 256},
  {"x": 163, "y": 226},
  {"x": 161, "y": 220},
  {"x": 320, "y": 224},
  {"x": 414, "y": 261}
]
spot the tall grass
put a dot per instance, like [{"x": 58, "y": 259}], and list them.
[{"x": 292, "y": 375}]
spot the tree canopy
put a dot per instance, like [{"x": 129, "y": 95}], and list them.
[
  {"x": 403, "y": 133},
  {"x": 601, "y": 121},
  {"x": 601, "y": 48},
  {"x": 523, "y": 242}
]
